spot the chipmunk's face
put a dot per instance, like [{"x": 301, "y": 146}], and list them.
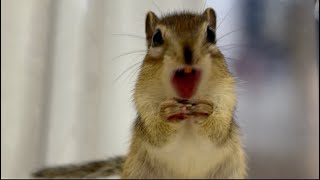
[{"x": 183, "y": 60}]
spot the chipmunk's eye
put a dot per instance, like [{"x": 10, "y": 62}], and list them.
[
  {"x": 157, "y": 39},
  {"x": 211, "y": 35}
]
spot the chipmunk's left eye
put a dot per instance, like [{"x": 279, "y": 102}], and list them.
[
  {"x": 157, "y": 39},
  {"x": 211, "y": 35}
]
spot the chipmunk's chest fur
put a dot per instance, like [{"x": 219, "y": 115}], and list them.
[{"x": 189, "y": 155}]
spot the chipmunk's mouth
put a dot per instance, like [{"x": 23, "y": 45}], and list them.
[{"x": 185, "y": 81}]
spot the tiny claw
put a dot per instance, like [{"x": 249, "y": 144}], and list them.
[{"x": 184, "y": 108}]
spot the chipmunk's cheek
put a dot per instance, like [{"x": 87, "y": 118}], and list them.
[{"x": 185, "y": 81}]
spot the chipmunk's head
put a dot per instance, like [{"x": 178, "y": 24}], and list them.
[{"x": 182, "y": 59}]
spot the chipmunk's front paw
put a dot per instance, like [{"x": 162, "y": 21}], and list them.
[
  {"x": 172, "y": 110},
  {"x": 201, "y": 110},
  {"x": 177, "y": 110}
]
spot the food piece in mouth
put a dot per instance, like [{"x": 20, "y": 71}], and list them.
[
  {"x": 185, "y": 81},
  {"x": 188, "y": 110}
]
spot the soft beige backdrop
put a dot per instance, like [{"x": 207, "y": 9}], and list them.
[{"x": 60, "y": 101}]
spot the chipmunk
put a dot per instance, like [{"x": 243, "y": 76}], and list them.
[{"x": 185, "y": 100}]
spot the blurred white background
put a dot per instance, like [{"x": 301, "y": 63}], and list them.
[{"x": 68, "y": 68}]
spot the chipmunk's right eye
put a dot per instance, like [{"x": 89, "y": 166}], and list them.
[
  {"x": 211, "y": 35},
  {"x": 157, "y": 39}
]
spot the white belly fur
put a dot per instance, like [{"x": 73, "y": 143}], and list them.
[{"x": 188, "y": 155}]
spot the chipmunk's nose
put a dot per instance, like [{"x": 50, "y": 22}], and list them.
[{"x": 187, "y": 52}]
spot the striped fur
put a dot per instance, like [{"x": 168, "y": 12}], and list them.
[{"x": 94, "y": 169}]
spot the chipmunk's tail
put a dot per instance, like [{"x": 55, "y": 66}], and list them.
[{"x": 94, "y": 169}]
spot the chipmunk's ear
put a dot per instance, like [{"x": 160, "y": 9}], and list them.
[
  {"x": 151, "y": 23},
  {"x": 210, "y": 15}
]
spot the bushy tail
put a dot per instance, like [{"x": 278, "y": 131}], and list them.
[{"x": 94, "y": 169}]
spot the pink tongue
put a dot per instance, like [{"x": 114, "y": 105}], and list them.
[{"x": 186, "y": 83}]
